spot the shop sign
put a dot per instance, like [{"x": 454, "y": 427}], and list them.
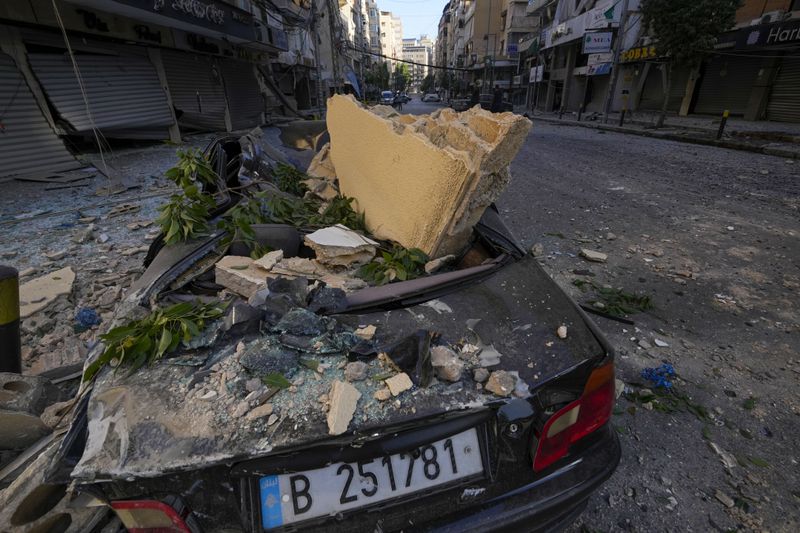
[
  {"x": 211, "y": 14},
  {"x": 537, "y": 74},
  {"x": 640, "y": 53},
  {"x": 599, "y": 69},
  {"x": 597, "y": 42},
  {"x": 776, "y": 34}
]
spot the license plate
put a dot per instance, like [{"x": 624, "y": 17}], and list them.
[{"x": 289, "y": 498}]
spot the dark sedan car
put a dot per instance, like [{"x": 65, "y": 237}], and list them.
[{"x": 169, "y": 449}]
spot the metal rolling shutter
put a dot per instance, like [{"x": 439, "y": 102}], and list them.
[
  {"x": 198, "y": 95},
  {"x": 123, "y": 92},
  {"x": 28, "y": 146},
  {"x": 726, "y": 84},
  {"x": 784, "y": 100},
  {"x": 652, "y": 94},
  {"x": 244, "y": 95}
]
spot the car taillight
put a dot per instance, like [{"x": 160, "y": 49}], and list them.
[
  {"x": 150, "y": 516},
  {"x": 578, "y": 419}
]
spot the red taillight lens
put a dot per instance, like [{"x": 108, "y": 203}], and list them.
[
  {"x": 149, "y": 516},
  {"x": 578, "y": 419}
]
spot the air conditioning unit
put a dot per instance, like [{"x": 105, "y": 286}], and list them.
[{"x": 772, "y": 16}]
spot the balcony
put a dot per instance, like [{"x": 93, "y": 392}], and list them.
[
  {"x": 536, "y": 5},
  {"x": 521, "y": 24}
]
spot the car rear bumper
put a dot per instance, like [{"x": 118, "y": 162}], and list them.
[{"x": 548, "y": 504}]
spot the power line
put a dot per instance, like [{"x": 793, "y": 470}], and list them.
[{"x": 408, "y": 61}]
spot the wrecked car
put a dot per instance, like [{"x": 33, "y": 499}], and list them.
[{"x": 472, "y": 394}]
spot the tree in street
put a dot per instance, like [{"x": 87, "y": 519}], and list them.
[
  {"x": 427, "y": 84},
  {"x": 685, "y": 31},
  {"x": 402, "y": 77}
]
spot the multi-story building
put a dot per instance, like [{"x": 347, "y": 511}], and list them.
[
  {"x": 389, "y": 41},
  {"x": 754, "y": 71},
  {"x": 419, "y": 53}
]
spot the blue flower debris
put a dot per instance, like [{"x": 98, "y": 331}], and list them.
[
  {"x": 660, "y": 376},
  {"x": 85, "y": 319}
]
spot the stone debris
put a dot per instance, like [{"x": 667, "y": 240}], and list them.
[
  {"x": 724, "y": 499},
  {"x": 727, "y": 458},
  {"x": 38, "y": 293},
  {"x": 356, "y": 371},
  {"x": 343, "y": 400},
  {"x": 268, "y": 261},
  {"x": 366, "y": 333},
  {"x": 431, "y": 267},
  {"x": 322, "y": 166},
  {"x": 446, "y": 364},
  {"x": 382, "y": 394},
  {"x": 501, "y": 383},
  {"x": 399, "y": 383},
  {"x": 240, "y": 275},
  {"x": 406, "y": 187},
  {"x": 480, "y": 375},
  {"x": 260, "y": 412},
  {"x": 593, "y": 255},
  {"x": 660, "y": 343},
  {"x": 562, "y": 332},
  {"x": 340, "y": 246}
]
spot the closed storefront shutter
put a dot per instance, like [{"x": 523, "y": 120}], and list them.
[
  {"x": 784, "y": 99},
  {"x": 653, "y": 91},
  {"x": 123, "y": 92},
  {"x": 726, "y": 84},
  {"x": 244, "y": 95},
  {"x": 28, "y": 145},
  {"x": 198, "y": 94}
]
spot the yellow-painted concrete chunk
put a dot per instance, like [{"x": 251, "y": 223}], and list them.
[{"x": 424, "y": 181}]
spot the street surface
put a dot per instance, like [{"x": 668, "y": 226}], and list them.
[{"x": 712, "y": 236}]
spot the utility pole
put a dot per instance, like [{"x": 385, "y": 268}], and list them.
[{"x": 612, "y": 86}]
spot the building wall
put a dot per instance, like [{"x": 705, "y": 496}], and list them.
[{"x": 752, "y": 9}]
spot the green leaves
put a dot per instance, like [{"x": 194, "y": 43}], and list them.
[
  {"x": 399, "y": 264},
  {"x": 186, "y": 215},
  {"x": 147, "y": 340},
  {"x": 289, "y": 179},
  {"x": 184, "y": 218},
  {"x": 276, "y": 381}
]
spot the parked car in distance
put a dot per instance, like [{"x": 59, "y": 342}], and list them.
[
  {"x": 387, "y": 98},
  {"x": 431, "y": 97}
]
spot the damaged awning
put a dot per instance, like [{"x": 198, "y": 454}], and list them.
[{"x": 28, "y": 145}]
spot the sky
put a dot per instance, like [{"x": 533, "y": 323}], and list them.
[{"x": 419, "y": 16}]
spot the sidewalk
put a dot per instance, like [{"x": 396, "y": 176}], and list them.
[{"x": 780, "y": 139}]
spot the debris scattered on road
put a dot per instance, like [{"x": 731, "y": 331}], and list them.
[
  {"x": 399, "y": 383},
  {"x": 562, "y": 332},
  {"x": 501, "y": 383},
  {"x": 724, "y": 499},
  {"x": 593, "y": 255},
  {"x": 38, "y": 293}
]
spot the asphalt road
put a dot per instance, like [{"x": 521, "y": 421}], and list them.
[{"x": 711, "y": 236}]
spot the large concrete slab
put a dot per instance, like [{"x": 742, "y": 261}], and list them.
[{"x": 422, "y": 181}]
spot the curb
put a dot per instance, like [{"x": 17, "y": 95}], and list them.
[{"x": 732, "y": 145}]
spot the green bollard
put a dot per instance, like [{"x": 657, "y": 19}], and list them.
[{"x": 10, "y": 354}]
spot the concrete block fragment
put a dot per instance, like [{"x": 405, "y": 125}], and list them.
[
  {"x": 38, "y": 293},
  {"x": 423, "y": 181},
  {"x": 343, "y": 398},
  {"x": 446, "y": 363},
  {"x": 341, "y": 246},
  {"x": 240, "y": 275},
  {"x": 501, "y": 383},
  {"x": 270, "y": 260},
  {"x": 322, "y": 166},
  {"x": 399, "y": 383}
]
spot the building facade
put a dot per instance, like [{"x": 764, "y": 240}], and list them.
[{"x": 419, "y": 53}]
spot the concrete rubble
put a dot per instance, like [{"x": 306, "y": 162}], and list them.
[
  {"x": 343, "y": 399},
  {"x": 38, "y": 293},
  {"x": 23, "y": 399},
  {"x": 427, "y": 179},
  {"x": 341, "y": 246}
]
